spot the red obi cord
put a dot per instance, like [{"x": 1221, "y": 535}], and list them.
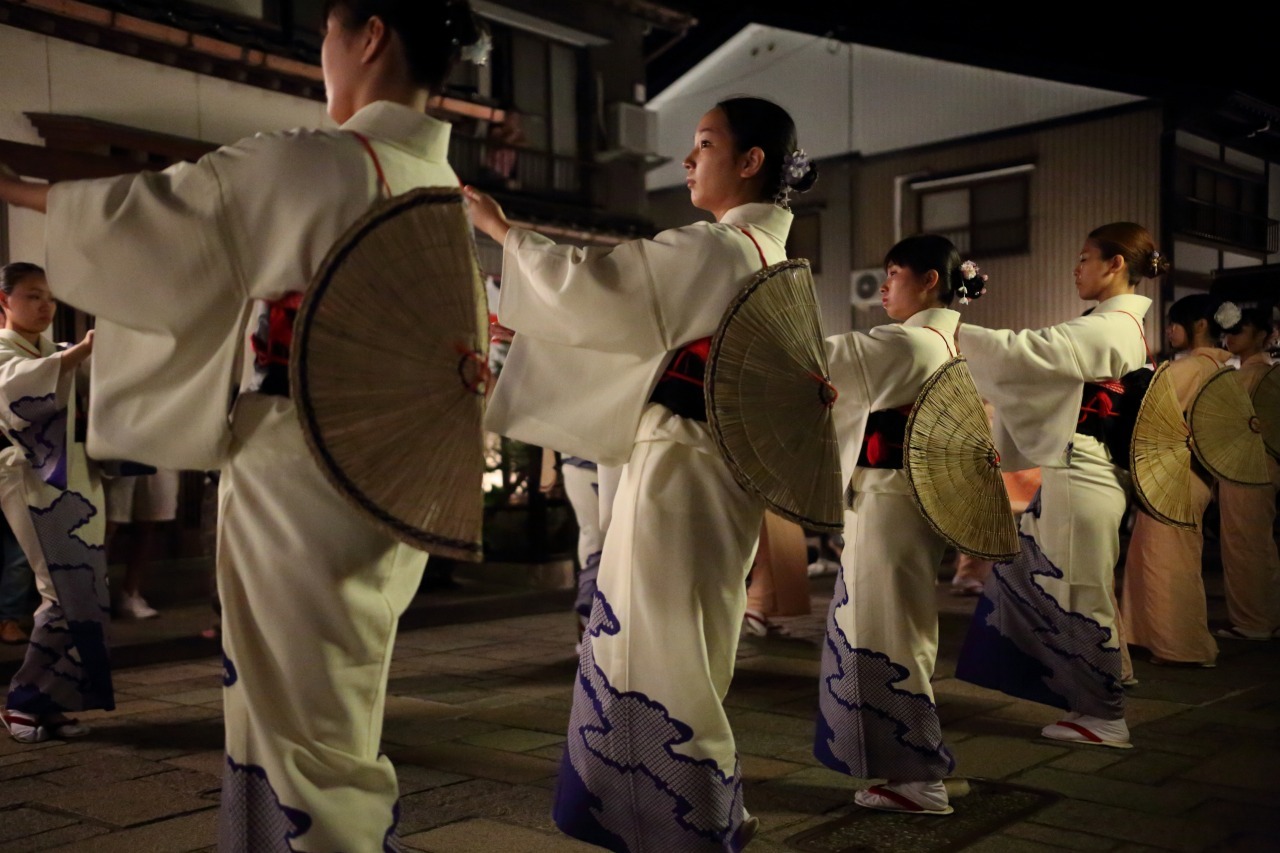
[
  {"x": 1099, "y": 400},
  {"x": 271, "y": 344},
  {"x": 689, "y": 363},
  {"x": 884, "y": 439}
]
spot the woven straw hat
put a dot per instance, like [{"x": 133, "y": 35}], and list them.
[
  {"x": 769, "y": 398},
  {"x": 389, "y": 368},
  {"x": 953, "y": 467},
  {"x": 1266, "y": 402},
  {"x": 1160, "y": 454},
  {"x": 1226, "y": 433}
]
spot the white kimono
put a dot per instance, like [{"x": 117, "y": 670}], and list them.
[
  {"x": 650, "y": 762},
  {"x": 1247, "y": 517},
  {"x": 1046, "y": 626},
  {"x": 876, "y": 714},
  {"x": 171, "y": 264},
  {"x": 52, "y": 498}
]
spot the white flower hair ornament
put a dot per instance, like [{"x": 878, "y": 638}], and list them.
[
  {"x": 1228, "y": 315},
  {"x": 478, "y": 52},
  {"x": 969, "y": 271},
  {"x": 795, "y": 166}
]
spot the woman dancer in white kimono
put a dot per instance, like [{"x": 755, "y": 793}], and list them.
[
  {"x": 311, "y": 592},
  {"x": 1163, "y": 600},
  {"x": 1045, "y": 628},
  {"x": 1247, "y": 515},
  {"x": 52, "y": 499},
  {"x": 876, "y": 713},
  {"x": 607, "y": 363}
]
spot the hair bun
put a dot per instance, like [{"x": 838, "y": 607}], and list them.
[
  {"x": 1157, "y": 265},
  {"x": 465, "y": 31},
  {"x": 804, "y": 184}
]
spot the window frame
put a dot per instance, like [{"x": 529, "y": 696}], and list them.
[{"x": 1018, "y": 175}]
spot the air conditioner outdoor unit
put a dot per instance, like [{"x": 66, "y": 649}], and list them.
[
  {"x": 633, "y": 129},
  {"x": 864, "y": 287}
]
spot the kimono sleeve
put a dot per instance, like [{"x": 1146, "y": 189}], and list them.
[
  {"x": 642, "y": 296},
  {"x": 148, "y": 256},
  {"x": 1003, "y": 360}
]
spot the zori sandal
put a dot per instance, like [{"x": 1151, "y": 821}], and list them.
[
  {"x": 894, "y": 798},
  {"x": 1078, "y": 728}
]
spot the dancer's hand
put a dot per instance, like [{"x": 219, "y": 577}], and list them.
[
  {"x": 74, "y": 356},
  {"x": 486, "y": 214},
  {"x": 14, "y": 190}
]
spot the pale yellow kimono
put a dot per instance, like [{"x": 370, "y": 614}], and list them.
[
  {"x": 1247, "y": 516},
  {"x": 172, "y": 263},
  {"x": 650, "y": 762},
  {"x": 1046, "y": 626},
  {"x": 1163, "y": 598},
  {"x": 876, "y": 714}
]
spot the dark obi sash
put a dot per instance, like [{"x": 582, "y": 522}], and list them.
[
  {"x": 680, "y": 388},
  {"x": 884, "y": 438},
  {"x": 1100, "y": 407}
]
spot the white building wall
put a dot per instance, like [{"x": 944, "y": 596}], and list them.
[
  {"x": 47, "y": 75},
  {"x": 854, "y": 98}
]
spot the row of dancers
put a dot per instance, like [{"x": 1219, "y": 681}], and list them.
[{"x": 311, "y": 592}]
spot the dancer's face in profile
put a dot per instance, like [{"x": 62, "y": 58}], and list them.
[
  {"x": 1176, "y": 335},
  {"x": 719, "y": 177},
  {"x": 1096, "y": 276},
  {"x": 906, "y": 292},
  {"x": 1247, "y": 341},
  {"x": 30, "y": 307}
]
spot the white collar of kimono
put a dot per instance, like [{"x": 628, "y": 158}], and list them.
[
  {"x": 1131, "y": 302},
  {"x": 403, "y": 127},
  {"x": 12, "y": 338},
  {"x": 766, "y": 216},
  {"x": 942, "y": 319}
]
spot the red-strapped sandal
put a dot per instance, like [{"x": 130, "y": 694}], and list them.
[
  {"x": 884, "y": 798},
  {"x": 23, "y": 728},
  {"x": 1078, "y": 728}
]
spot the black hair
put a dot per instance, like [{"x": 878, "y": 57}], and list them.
[
  {"x": 1198, "y": 306},
  {"x": 11, "y": 275},
  {"x": 433, "y": 32},
  {"x": 924, "y": 252},
  {"x": 758, "y": 123},
  {"x": 1134, "y": 243}
]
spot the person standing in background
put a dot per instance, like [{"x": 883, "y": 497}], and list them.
[
  {"x": 52, "y": 499},
  {"x": 17, "y": 584},
  {"x": 1247, "y": 515},
  {"x": 139, "y": 501},
  {"x": 1163, "y": 599}
]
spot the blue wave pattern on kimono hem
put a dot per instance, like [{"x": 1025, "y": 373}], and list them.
[
  {"x": 44, "y": 439},
  {"x": 251, "y": 818},
  {"x": 866, "y": 726},
  {"x": 1023, "y": 643},
  {"x": 622, "y": 785},
  {"x": 68, "y": 667}
]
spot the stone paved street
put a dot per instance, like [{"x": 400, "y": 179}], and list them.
[{"x": 476, "y": 724}]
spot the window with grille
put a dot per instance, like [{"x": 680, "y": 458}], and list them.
[
  {"x": 1217, "y": 202},
  {"x": 986, "y": 213}
]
